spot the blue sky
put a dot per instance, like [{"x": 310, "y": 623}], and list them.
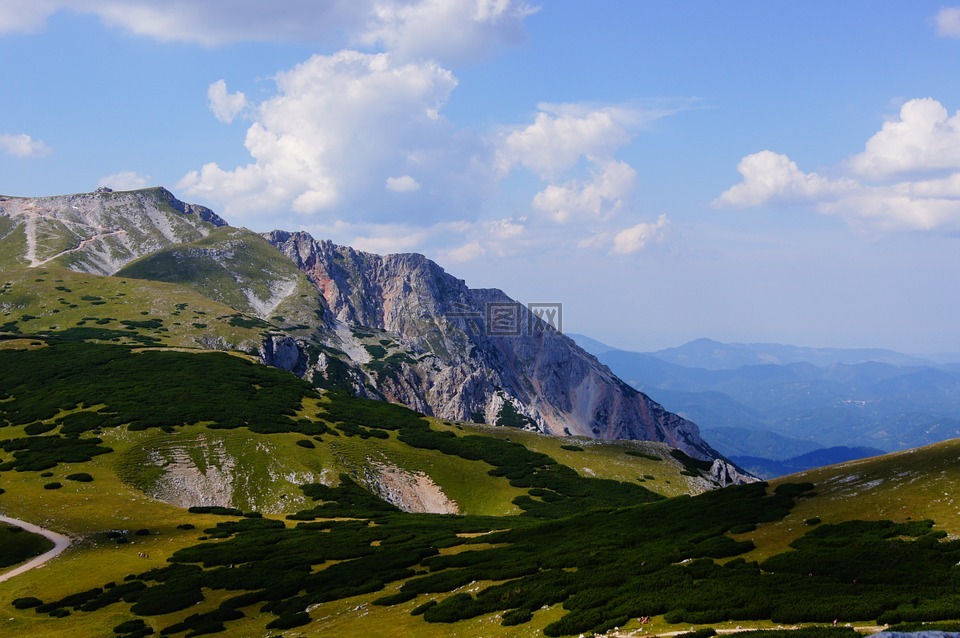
[{"x": 746, "y": 171}]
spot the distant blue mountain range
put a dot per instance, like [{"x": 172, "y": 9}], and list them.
[{"x": 769, "y": 406}]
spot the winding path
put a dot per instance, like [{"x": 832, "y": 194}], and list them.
[{"x": 60, "y": 543}]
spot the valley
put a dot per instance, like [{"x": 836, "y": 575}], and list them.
[{"x": 776, "y": 409}]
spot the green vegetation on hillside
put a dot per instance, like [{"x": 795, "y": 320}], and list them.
[
  {"x": 238, "y": 268},
  {"x": 578, "y": 554},
  {"x": 604, "y": 566},
  {"x": 91, "y": 307}
]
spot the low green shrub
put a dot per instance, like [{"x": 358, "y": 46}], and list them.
[{"x": 28, "y": 602}]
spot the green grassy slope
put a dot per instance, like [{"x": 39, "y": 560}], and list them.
[
  {"x": 911, "y": 485},
  {"x": 44, "y": 300},
  {"x": 13, "y": 244},
  {"x": 239, "y": 268},
  {"x": 555, "y": 536}
]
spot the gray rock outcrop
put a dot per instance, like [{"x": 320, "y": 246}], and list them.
[{"x": 459, "y": 364}]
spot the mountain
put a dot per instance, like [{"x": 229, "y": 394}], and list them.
[
  {"x": 97, "y": 232},
  {"x": 821, "y": 457},
  {"x": 589, "y": 344},
  {"x": 775, "y": 411},
  {"x": 713, "y": 355},
  {"x": 393, "y": 327},
  {"x": 452, "y": 364}
]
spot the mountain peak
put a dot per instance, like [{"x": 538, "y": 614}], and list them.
[
  {"x": 99, "y": 232},
  {"x": 395, "y": 327},
  {"x": 458, "y": 365}
]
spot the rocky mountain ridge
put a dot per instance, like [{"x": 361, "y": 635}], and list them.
[
  {"x": 395, "y": 327},
  {"x": 460, "y": 367},
  {"x": 100, "y": 232}
]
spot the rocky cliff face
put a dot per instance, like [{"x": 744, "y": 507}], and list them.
[
  {"x": 395, "y": 327},
  {"x": 463, "y": 354},
  {"x": 99, "y": 232}
]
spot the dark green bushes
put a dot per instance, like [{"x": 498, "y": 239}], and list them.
[
  {"x": 133, "y": 629},
  {"x": 39, "y": 453},
  {"x": 289, "y": 621},
  {"x": 17, "y": 545},
  {"x": 691, "y": 466},
  {"x": 241, "y": 321},
  {"x": 28, "y": 602},
  {"x": 604, "y": 566},
  {"x": 215, "y": 509},
  {"x": 148, "y": 324},
  {"x": 509, "y": 417},
  {"x": 39, "y": 428},
  {"x": 148, "y": 389},
  {"x": 142, "y": 390}
]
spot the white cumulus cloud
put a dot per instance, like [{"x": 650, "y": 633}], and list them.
[
  {"x": 337, "y": 126},
  {"x": 465, "y": 252},
  {"x": 923, "y": 137},
  {"x": 23, "y": 145},
  {"x": 448, "y": 30},
  {"x": 208, "y": 23},
  {"x": 769, "y": 176},
  {"x": 633, "y": 239},
  {"x": 896, "y": 209},
  {"x": 507, "y": 228},
  {"x": 555, "y": 142},
  {"x": 572, "y": 149},
  {"x": 600, "y": 197},
  {"x": 906, "y": 179},
  {"x": 26, "y": 16},
  {"x": 125, "y": 181},
  {"x": 225, "y": 105}
]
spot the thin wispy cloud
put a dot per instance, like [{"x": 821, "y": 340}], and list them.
[
  {"x": 125, "y": 181},
  {"x": 948, "y": 22}
]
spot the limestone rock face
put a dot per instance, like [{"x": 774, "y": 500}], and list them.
[{"x": 475, "y": 354}]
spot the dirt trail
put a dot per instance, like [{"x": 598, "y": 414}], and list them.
[
  {"x": 60, "y": 543},
  {"x": 31, "y": 215},
  {"x": 83, "y": 243}
]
